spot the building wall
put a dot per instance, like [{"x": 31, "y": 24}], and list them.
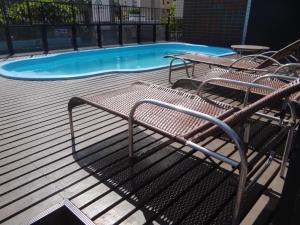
[
  {"x": 214, "y": 22},
  {"x": 273, "y": 23},
  {"x": 142, "y": 3},
  {"x": 129, "y": 2},
  {"x": 104, "y": 2},
  {"x": 179, "y": 8},
  {"x": 166, "y": 3}
]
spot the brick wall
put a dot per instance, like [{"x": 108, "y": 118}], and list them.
[{"x": 214, "y": 22}]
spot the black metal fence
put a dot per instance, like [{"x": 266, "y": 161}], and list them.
[{"x": 44, "y": 26}]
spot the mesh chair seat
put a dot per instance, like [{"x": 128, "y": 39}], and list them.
[
  {"x": 245, "y": 77},
  {"x": 219, "y": 61},
  {"x": 164, "y": 120}
]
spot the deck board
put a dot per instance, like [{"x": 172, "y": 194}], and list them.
[{"x": 39, "y": 167}]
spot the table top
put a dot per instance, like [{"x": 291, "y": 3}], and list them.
[{"x": 250, "y": 47}]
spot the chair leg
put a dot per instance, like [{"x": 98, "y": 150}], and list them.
[
  {"x": 239, "y": 197},
  {"x": 247, "y": 129},
  {"x": 130, "y": 137},
  {"x": 287, "y": 150},
  {"x": 244, "y": 131},
  {"x": 186, "y": 69},
  {"x": 193, "y": 70}
]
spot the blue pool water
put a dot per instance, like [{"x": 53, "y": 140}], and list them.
[{"x": 99, "y": 61}]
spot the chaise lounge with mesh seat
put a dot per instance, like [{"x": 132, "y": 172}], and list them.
[
  {"x": 261, "y": 62},
  {"x": 188, "y": 119},
  {"x": 233, "y": 79}
]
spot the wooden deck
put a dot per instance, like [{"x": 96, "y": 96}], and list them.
[{"x": 169, "y": 184}]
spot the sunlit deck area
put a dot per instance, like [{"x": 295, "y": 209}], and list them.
[{"x": 167, "y": 184}]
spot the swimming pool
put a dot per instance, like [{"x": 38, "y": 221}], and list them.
[{"x": 93, "y": 62}]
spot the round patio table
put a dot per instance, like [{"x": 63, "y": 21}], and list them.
[{"x": 249, "y": 48}]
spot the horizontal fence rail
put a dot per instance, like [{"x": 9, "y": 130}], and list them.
[{"x": 27, "y": 26}]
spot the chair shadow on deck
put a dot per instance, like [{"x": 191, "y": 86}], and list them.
[{"x": 167, "y": 184}]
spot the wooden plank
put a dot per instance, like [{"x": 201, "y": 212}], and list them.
[{"x": 39, "y": 167}]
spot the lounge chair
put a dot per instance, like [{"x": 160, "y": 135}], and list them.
[
  {"x": 260, "y": 62},
  {"x": 232, "y": 79},
  {"x": 185, "y": 118}
]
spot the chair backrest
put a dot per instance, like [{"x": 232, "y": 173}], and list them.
[
  {"x": 280, "y": 54},
  {"x": 268, "y": 100},
  {"x": 248, "y": 111}
]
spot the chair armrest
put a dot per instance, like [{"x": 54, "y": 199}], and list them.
[
  {"x": 273, "y": 75},
  {"x": 263, "y": 77},
  {"x": 242, "y": 83},
  {"x": 292, "y": 58},
  {"x": 242, "y": 166},
  {"x": 215, "y": 121},
  {"x": 287, "y": 66},
  {"x": 254, "y": 57},
  {"x": 250, "y": 85},
  {"x": 268, "y": 53}
]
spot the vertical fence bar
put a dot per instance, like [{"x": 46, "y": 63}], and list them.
[
  {"x": 120, "y": 26},
  {"x": 74, "y": 37},
  {"x": 138, "y": 30},
  {"x": 167, "y": 32},
  {"x": 154, "y": 32},
  {"x": 45, "y": 38},
  {"x": 29, "y": 12},
  {"x": 99, "y": 36},
  {"x": 120, "y": 34},
  {"x": 44, "y": 30},
  {"x": 112, "y": 15},
  {"x": 140, "y": 15},
  {"x": 9, "y": 42},
  {"x": 168, "y": 27},
  {"x": 73, "y": 28}
]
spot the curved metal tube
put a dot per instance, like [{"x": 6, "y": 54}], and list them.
[
  {"x": 287, "y": 149},
  {"x": 290, "y": 105},
  {"x": 246, "y": 98},
  {"x": 200, "y": 89},
  {"x": 255, "y": 57},
  {"x": 288, "y": 144},
  {"x": 286, "y": 66},
  {"x": 268, "y": 52},
  {"x": 250, "y": 85},
  {"x": 293, "y": 57},
  {"x": 290, "y": 137},
  {"x": 171, "y": 65},
  {"x": 228, "y": 130}
]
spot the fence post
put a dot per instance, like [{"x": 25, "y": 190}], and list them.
[
  {"x": 9, "y": 40},
  {"x": 167, "y": 32},
  {"x": 140, "y": 19},
  {"x": 7, "y": 30},
  {"x": 154, "y": 32},
  {"x": 99, "y": 38},
  {"x": 45, "y": 39},
  {"x": 44, "y": 30},
  {"x": 168, "y": 27},
  {"x": 138, "y": 30},
  {"x": 120, "y": 26},
  {"x": 29, "y": 12},
  {"x": 74, "y": 37},
  {"x": 73, "y": 28}
]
